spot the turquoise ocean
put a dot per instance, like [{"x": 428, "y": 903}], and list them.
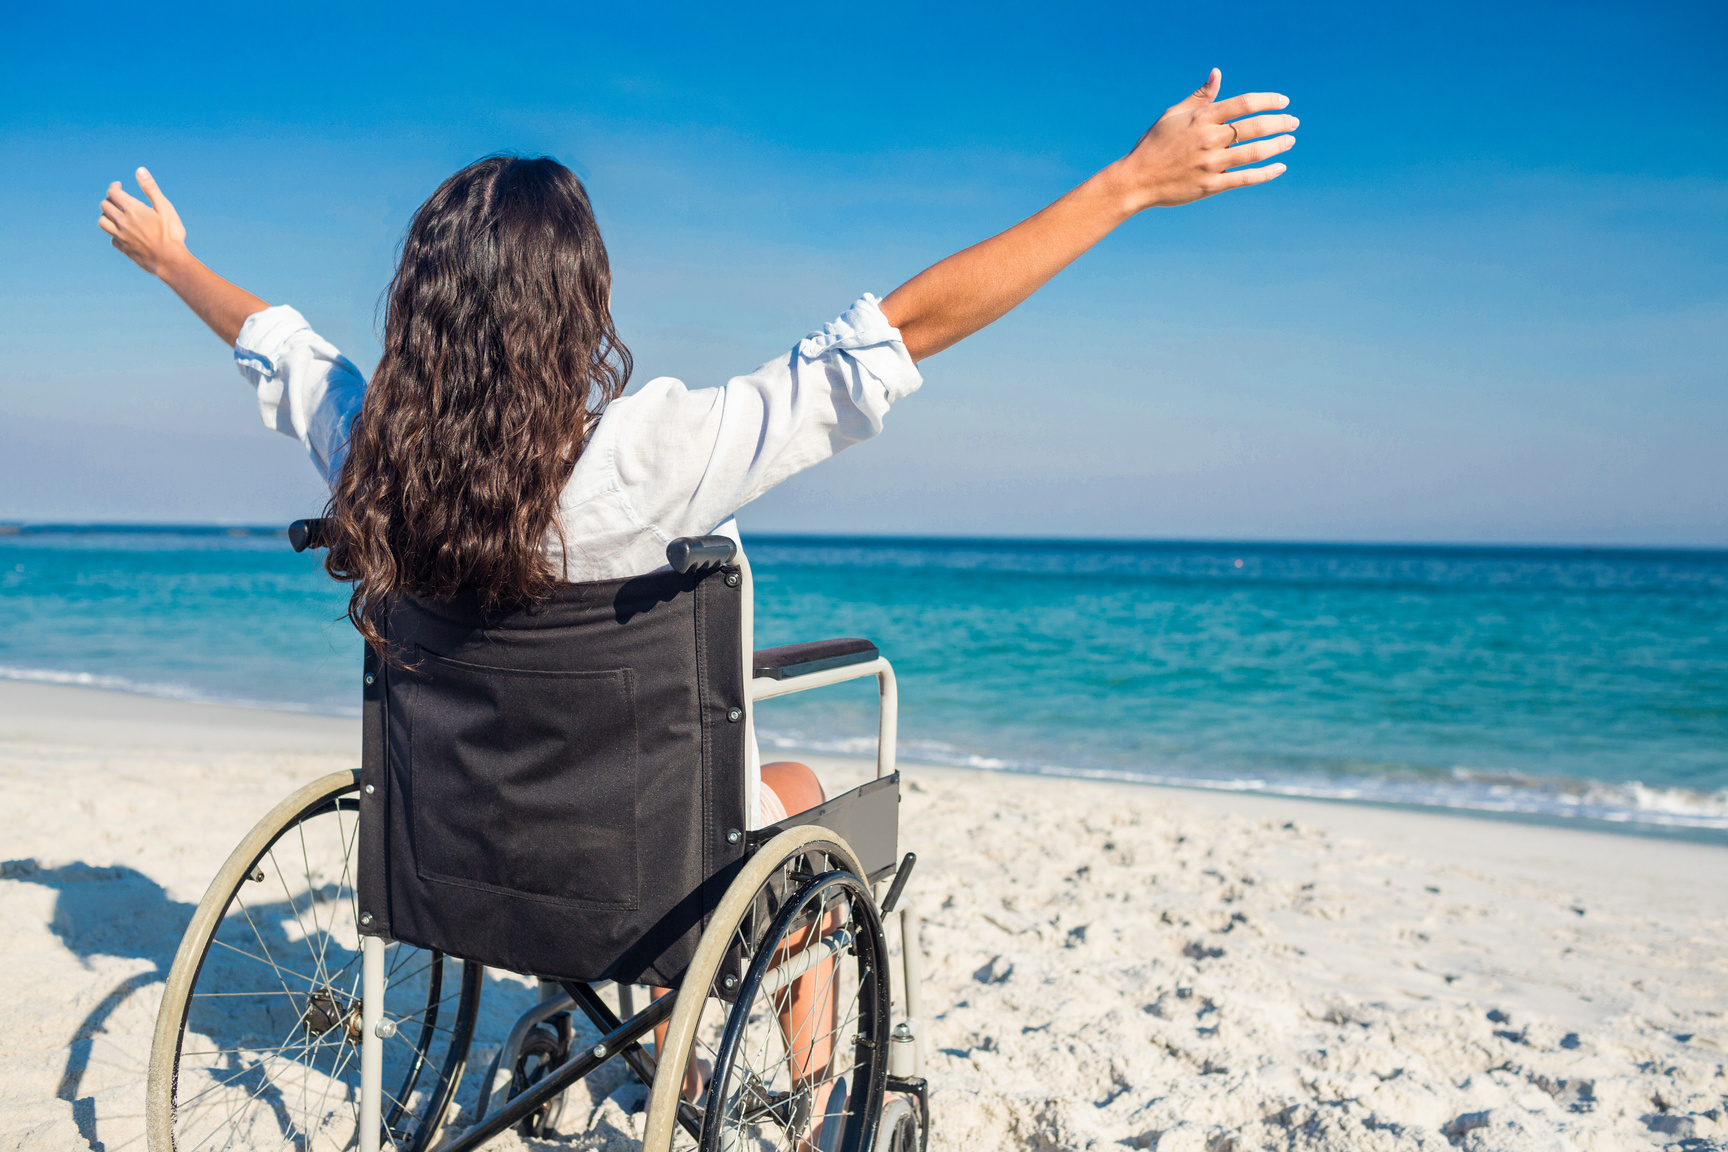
[{"x": 1558, "y": 685}]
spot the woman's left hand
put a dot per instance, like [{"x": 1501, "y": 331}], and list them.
[
  {"x": 1192, "y": 152},
  {"x": 1187, "y": 155},
  {"x": 150, "y": 234}
]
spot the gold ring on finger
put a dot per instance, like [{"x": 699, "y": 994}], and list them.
[{"x": 1235, "y": 138}]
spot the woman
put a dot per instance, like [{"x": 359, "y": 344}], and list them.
[{"x": 492, "y": 451}]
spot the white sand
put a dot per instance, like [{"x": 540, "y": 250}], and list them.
[{"x": 1114, "y": 966}]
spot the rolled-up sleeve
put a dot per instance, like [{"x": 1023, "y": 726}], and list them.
[
  {"x": 306, "y": 388},
  {"x": 686, "y": 460}
]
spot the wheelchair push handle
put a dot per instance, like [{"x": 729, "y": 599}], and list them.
[
  {"x": 319, "y": 532},
  {"x": 700, "y": 553}
]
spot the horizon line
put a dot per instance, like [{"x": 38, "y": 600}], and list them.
[{"x": 35, "y": 528}]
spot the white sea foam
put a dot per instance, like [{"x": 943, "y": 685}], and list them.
[
  {"x": 160, "y": 690},
  {"x": 1468, "y": 789}
]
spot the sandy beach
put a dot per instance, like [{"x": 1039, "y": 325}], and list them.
[{"x": 1109, "y": 966}]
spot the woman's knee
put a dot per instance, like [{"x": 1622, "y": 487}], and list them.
[{"x": 795, "y": 784}]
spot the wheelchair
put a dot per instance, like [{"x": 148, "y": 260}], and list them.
[{"x": 563, "y": 792}]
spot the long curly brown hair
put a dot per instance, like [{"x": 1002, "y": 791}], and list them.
[{"x": 499, "y": 354}]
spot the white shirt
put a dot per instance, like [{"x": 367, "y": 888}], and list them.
[{"x": 664, "y": 462}]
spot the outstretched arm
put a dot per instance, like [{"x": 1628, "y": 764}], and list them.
[
  {"x": 1185, "y": 156},
  {"x": 152, "y": 235}
]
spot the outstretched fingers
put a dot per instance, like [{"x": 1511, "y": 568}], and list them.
[
  {"x": 1247, "y": 103},
  {"x": 1255, "y": 127},
  {"x": 1243, "y": 177},
  {"x": 1257, "y": 151},
  {"x": 121, "y": 199}
]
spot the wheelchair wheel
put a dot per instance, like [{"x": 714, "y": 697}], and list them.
[
  {"x": 544, "y": 1048},
  {"x": 796, "y": 938},
  {"x": 257, "y": 1042}
]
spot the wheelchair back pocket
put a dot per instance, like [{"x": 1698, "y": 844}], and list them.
[{"x": 523, "y": 782}]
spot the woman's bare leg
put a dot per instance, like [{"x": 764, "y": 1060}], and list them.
[
  {"x": 798, "y": 790},
  {"x": 809, "y": 1011},
  {"x": 795, "y": 784},
  {"x": 809, "y": 1000},
  {"x": 692, "y": 1071}
]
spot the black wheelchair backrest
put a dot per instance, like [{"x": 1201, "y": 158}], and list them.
[{"x": 558, "y": 788}]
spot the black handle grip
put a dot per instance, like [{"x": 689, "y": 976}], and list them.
[
  {"x": 699, "y": 553},
  {"x": 315, "y": 533}
]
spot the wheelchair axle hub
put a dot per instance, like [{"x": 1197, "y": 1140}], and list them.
[
  {"x": 789, "y": 1110},
  {"x": 326, "y": 1010}
]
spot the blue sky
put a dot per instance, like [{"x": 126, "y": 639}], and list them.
[{"x": 1487, "y": 303}]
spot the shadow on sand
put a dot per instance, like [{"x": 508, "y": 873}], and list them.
[
  {"x": 105, "y": 911},
  {"x": 117, "y": 911}
]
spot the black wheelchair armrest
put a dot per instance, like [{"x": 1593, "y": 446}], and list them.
[
  {"x": 315, "y": 533},
  {"x": 698, "y": 553},
  {"x": 791, "y": 660}
]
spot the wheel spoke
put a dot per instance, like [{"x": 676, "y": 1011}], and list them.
[
  {"x": 263, "y": 1083},
  {"x": 218, "y": 1084},
  {"x": 391, "y": 977},
  {"x": 347, "y": 1051},
  {"x": 259, "y": 936},
  {"x": 258, "y": 1064},
  {"x": 237, "y": 1052},
  {"x": 294, "y": 907},
  {"x": 440, "y": 1005},
  {"x": 261, "y": 959},
  {"x": 312, "y": 890},
  {"x": 348, "y": 843}
]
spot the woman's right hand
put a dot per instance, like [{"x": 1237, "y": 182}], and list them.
[
  {"x": 155, "y": 240},
  {"x": 150, "y": 234}
]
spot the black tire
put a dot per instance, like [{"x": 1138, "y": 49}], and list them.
[{"x": 257, "y": 1040}]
